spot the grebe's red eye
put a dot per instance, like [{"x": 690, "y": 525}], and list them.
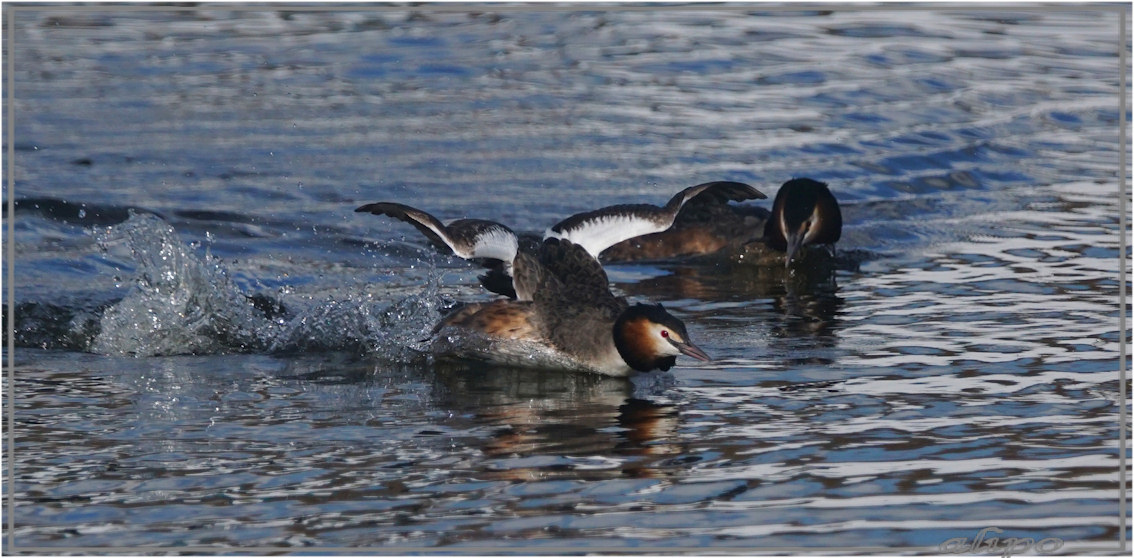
[{"x": 665, "y": 334}]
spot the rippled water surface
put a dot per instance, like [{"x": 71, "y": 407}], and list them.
[{"x": 214, "y": 350}]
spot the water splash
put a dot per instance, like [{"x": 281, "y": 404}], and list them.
[
  {"x": 180, "y": 303},
  {"x": 354, "y": 321}
]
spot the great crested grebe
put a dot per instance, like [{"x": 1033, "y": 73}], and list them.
[{"x": 572, "y": 322}]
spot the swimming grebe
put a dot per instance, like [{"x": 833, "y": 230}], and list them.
[
  {"x": 572, "y": 322},
  {"x": 804, "y": 213}
]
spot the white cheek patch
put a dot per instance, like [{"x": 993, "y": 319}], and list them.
[
  {"x": 662, "y": 345},
  {"x": 667, "y": 349}
]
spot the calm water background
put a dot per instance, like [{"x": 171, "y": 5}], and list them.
[{"x": 213, "y": 349}]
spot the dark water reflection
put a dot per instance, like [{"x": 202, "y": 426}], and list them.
[{"x": 214, "y": 350}]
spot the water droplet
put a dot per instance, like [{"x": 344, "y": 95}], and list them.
[{"x": 82, "y": 214}]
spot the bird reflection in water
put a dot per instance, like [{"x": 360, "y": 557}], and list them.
[{"x": 535, "y": 415}]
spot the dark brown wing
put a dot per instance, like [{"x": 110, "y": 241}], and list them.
[
  {"x": 713, "y": 193},
  {"x": 466, "y": 238},
  {"x": 573, "y": 303},
  {"x": 429, "y": 226},
  {"x": 573, "y": 300},
  {"x": 579, "y": 278}
]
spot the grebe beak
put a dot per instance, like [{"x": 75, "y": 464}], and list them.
[
  {"x": 692, "y": 350},
  {"x": 794, "y": 243}
]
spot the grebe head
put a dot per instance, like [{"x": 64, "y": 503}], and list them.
[
  {"x": 648, "y": 338},
  {"x": 804, "y": 213}
]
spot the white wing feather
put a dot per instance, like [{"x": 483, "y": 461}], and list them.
[
  {"x": 600, "y": 233},
  {"x": 497, "y": 244}
]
